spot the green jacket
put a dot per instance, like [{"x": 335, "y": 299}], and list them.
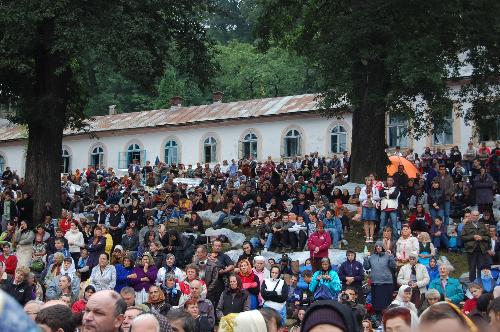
[{"x": 468, "y": 233}]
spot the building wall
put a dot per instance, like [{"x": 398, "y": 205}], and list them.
[{"x": 315, "y": 131}]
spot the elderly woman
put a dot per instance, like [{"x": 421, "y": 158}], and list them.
[
  {"x": 449, "y": 288},
  {"x": 326, "y": 276},
  {"x": 19, "y": 288},
  {"x": 143, "y": 276},
  {"x": 403, "y": 299},
  {"x": 123, "y": 270},
  {"x": 432, "y": 296},
  {"x": 54, "y": 269},
  {"x": 103, "y": 275},
  {"x": 169, "y": 268}
]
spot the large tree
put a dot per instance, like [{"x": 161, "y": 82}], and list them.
[
  {"x": 49, "y": 50},
  {"x": 388, "y": 56}
]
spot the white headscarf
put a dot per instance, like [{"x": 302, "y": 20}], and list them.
[{"x": 247, "y": 321}]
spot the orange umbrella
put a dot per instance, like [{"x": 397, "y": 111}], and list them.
[{"x": 410, "y": 169}]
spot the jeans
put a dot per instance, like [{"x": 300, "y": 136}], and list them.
[
  {"x": 393, "y": 215},
  {"x": 218, "y": 223},
  {"x": 447, "y": 208},
  {"x": 256, "y": 241},
  {"x": 441, "y": 242},
  {"x": 335, "y": 235}
]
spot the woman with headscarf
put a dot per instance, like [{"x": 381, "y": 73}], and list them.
[
  {"x": 54, "y": 269},
  {"x": 170, "y": 289},
  {"x": 248, "y": 252},
  {"x": 156, "y": 300},
  {"x": 382, "y": 266},
  {"x": 95, "y": 247},
  {"x": 143, "y": 276},
  {"x": 248, "y": 321},
  {"x": 234, "y": 299},
  {"x": 274, "y": 291},
  {"x": 250, "y": 282},
  {"x": 403, "y": 299}
]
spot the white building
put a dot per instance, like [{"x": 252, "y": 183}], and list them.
[{"x": 276, "y": 127}]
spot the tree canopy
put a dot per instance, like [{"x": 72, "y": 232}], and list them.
[{"x": 390, "y": 56}]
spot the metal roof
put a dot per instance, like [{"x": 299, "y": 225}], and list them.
[{"x": 176, "y": 116}]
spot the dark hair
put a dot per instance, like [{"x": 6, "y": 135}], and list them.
[
  {"x": 56, "y": 317},
  {"x": 238, "y": 281},
  {"x": 402, "y": 312},
  {"x": 188, "y": 325},
  {"x": 439, "y": 218},
  {"x": 269, "y": 316},
  {"x": 351, "y": 288},
  {"x": 307, "y": 273}
]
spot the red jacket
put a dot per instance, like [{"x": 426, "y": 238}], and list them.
[
  {"x": 10, "y": 263},
  {"x": 427, "y": 218},
  {"x": 469, "y": 305},
  {"x": 79, "y": 306},
  {"x": 250, "y": 283},
  {"x": 321, "y": 241}
]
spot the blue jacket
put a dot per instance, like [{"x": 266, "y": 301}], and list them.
[
  {"x": 433, "y": 273},
  {"x": 453, "y": 290},
  {"x": 352, "y": 269},
  {"x": 333, "y": 284},
  {"x": 334, "y": 223},
  {"x": 121, "y": 276}
]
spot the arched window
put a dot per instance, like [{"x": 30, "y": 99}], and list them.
[
  {"x": 134, "y": 153},
  {"x": 338, "y": 137},
  {"x": 2, "y": 164},
  {"x": 292, "y": 143},
  {"x": 97, "y": 157},
  {"x": 65, "y": 163},
  {"x": 249, "y": 145},
  {"x": 210, "y": 150},
  {"x": 171, "y": 152}
]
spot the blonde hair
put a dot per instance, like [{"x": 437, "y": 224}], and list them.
[{"x": 424, "y": 237}]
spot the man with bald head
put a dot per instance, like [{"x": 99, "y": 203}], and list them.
[
  {"x": 104, "y": 312},
  {"x": 145, "y": 323},
  {"x": 205, "y": 306}
]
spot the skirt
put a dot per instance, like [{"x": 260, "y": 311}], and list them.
[
  {"x": 381, "y": 296},
  {"x": 368, "y": 214}
]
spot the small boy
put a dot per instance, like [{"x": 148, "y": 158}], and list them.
[
  {"x": 302, "y": 298},
  {"x": 438, "y": 234}
]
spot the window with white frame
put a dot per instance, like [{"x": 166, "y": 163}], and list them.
[
  {"x": 65, "y": 162},
  {"x": 397, "y": 131},
  {"x": 249, "y": 145},
  {"x": 171, "y": 152},
  {"x": 292, "y": 143},
  {"x": 445, "y": 134},
  {"x": 97, "y": 157},
  {"x": 338, "y": 139},
  {"x": 210, "y": 150}
]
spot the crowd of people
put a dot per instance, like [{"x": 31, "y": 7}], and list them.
[{"x": 130, "y": 252}]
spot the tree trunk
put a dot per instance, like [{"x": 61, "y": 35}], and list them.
[
  {"x": 46, "y": 120},
  {"x": 368, "y": 122},
  {"x": 43, "y": 169}
]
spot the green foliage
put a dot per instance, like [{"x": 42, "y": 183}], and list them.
[
  {"x": 397, "y": 55},
  {"x": 245, "y": 73},
  {"x": 232, "y": 20}
]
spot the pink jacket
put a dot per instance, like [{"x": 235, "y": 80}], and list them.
[{"x": 321, "y": 241}]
